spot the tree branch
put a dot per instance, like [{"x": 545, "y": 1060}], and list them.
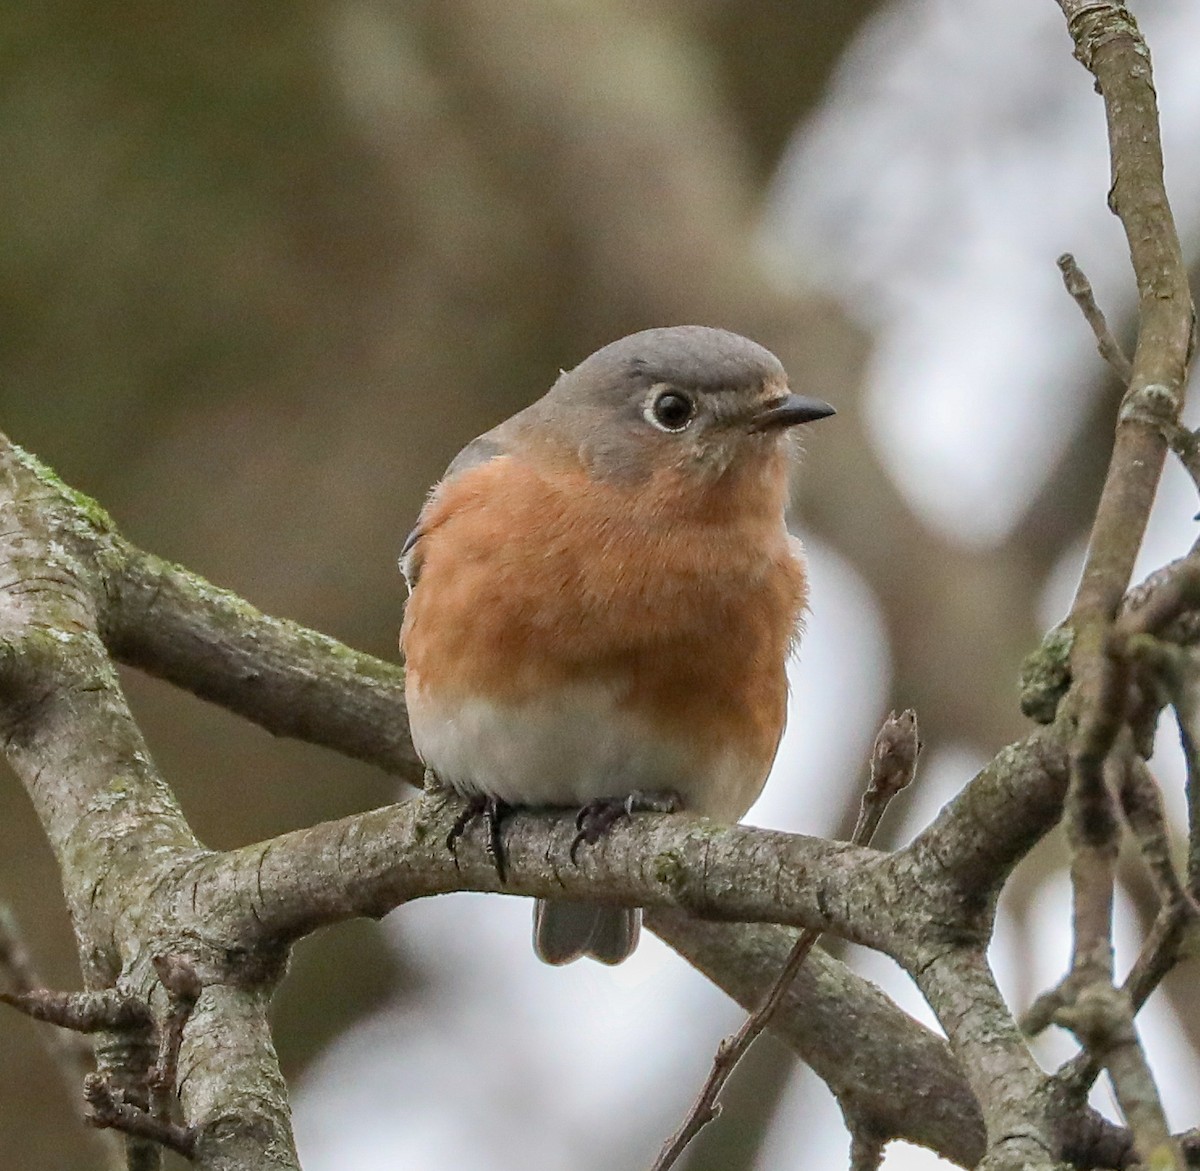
[
  {"x": 109, "y": 1109},
  {"x": 119, "y": 837},
  {"x": 875, "y": 1058},
  {"x": 232, "y": 914},
  {"x": 1080, "y": 289},
  {"x": 1108, "y": 43},
  {"x": 369, "y": 863},
  {"x": 17, "y": 971},
  {"x": 893, "y": 764},
  {"x": 288, "y": 679},
  {"x": 1013, "y": 1093}
]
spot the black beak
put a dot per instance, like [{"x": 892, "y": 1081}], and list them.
[{"x": 787, "y": 412}]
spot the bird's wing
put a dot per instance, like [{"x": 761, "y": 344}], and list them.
[{"x": 479, "y": 451}]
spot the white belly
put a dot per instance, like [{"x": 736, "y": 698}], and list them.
[{"x": 567, "y": 751}]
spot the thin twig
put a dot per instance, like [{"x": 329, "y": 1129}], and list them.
[
  {"x": 1155, "y": 606},
  {"x": 1101, "y": 1017},
  {"x": 72, "y": 1051},
  {"x": 15, "y": 961},
  {"x": 1162, "y": 949},
  {"x": 109, "y": 1109},
  {"x": 1185, "y": 443},
  {"x": 1186, "y": 703},
  {"x": 1092, "y": 826},
  {"x": 1109, "y": 45},
  {"x": 82, "y": 1012},
  {"x": 182, "y": 983},
  {"x": 1159, "y": 625},
  {"x": 1178, "y": 670},
  {"x": 1178, "y": 913},
  {"x": 1081, "y": 289},
  {"x": 893, "y": 764},
  {"x": 1142, "y": 804}
]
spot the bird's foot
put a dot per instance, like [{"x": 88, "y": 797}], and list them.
[
  {"x": 597, "y": 817},
  {"x": 493, "y": 811}
]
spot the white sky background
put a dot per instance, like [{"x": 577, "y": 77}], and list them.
[{"x": 961, "y": 149}]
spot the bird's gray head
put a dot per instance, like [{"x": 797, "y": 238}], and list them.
[{"x": 687, "y": 397}]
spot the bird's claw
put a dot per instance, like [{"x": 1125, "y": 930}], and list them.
[
  {"x": 597, "y": 817},
  {"x": 493, "y": 811}
]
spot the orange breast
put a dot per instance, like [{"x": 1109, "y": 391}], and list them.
[{"x": 684, "y": 601}]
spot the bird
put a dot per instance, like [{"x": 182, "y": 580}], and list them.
[{"x": 603, "y": 596}]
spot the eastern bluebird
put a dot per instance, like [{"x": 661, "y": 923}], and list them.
[{"x": 604, "y": 596}]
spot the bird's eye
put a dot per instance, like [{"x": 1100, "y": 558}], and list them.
[{"x": 671, "y": 410}]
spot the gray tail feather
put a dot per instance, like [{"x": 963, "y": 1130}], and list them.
[{"x": 564, "y": 931}]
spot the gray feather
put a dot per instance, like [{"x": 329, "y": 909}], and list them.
[
  {"x": 479, "y": 451},
  {"x": 564, "y": 931}
]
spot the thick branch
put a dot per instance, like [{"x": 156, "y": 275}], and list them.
[
  {"x": 119, "y": 837},
  {"x": 371, "y": 862},
  {"x": 1012, "y": 1091},
  {"x": 286, "y": 678},
  {"x": 972, "y": 845}
]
